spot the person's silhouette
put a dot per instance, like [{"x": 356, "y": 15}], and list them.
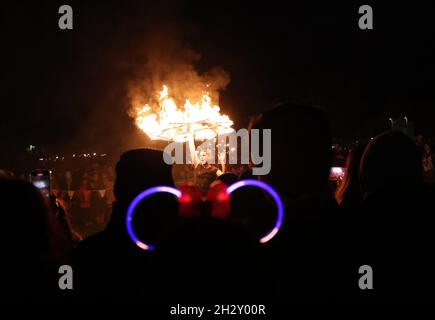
[
  {"x": 395, "y": 227},
  {"x": 309, "y": 243},
  {"x": 109, "y": 263},
  {"x": 33, "y": 243}
]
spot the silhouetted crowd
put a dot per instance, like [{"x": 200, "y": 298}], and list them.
[
  {"x": 381, "y": 215},
  {"x": 86, "y": 192}
]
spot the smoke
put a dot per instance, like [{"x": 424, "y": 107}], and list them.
[
  {"x": 119, "y": 60},
  {"x": 169, "y": 62}
]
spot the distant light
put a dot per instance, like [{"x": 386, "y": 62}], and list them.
[
  {"x": 41, "y": 159},
  {"x": 74, "y": 155},
  {"x": 31, "y": 147},
  {"x": 94, "y": 154}
]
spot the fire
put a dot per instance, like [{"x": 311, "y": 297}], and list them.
[{"x": 200, "y": 120}]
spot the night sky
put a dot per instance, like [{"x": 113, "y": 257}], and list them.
[{"x": 68, "y": 90}]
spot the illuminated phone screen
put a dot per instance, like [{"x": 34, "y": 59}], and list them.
[
  {"x": 337, "y": 173},
  {"x": 42, "y": 181}
]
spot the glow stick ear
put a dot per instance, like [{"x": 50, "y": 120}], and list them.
[
  {"x": 133, "y": 205},
  {"x": 177, "y": 193},
  {"x": 273, "y": 194}
]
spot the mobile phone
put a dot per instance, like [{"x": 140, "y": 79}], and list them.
[
  {"x": 41, "y": 179},
  {"x": 337, "y": 173}
]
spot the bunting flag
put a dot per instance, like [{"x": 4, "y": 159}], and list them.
[
  {"x": 62, "y": 193},
  {"x": 71, "y": 194}
]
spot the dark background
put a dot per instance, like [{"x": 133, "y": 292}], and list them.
[{"x": 67, "y": 90}]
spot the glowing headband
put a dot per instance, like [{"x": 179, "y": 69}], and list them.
[
  {"x": 272, "y": 193},
  {"x": 133, "y": 205},
  {"x": 177, "y": 193}
]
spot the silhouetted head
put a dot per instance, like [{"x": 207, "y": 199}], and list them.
[
  {"x": 228, "y": 178},
  {"x": 24, "y": 215},
  {"x": 138, "y": 170},
  {"x": 390, "y": 160},
  {"x": 218, "y": 250},
  {"x": 27, "y": 239},
  {"x": 301, "y": 148}
]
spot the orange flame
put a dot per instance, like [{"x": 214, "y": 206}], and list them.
[{"x": 199, "y": 121}]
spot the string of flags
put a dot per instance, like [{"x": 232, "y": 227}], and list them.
[{"x": 70, "y": 193}]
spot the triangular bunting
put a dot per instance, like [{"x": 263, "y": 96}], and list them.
[
  {"x": 71, "y": 194},
  {"x": 102, "y": 192}
]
